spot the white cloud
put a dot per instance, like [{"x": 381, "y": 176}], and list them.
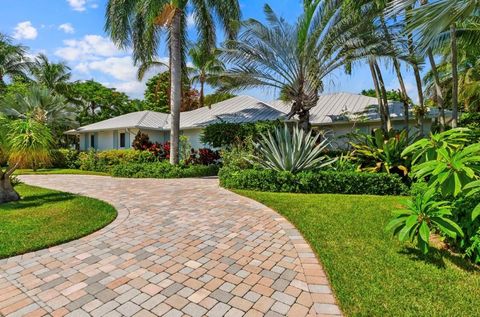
[
  {"x": 25, "y": 31},
  {"x": 67, "y": 28},
  {"x": 94, "y": 5},
  {"x": 190, "y": 20},
  {"x": 90, "y": 47},
  {"x": 77, "y": 5}
]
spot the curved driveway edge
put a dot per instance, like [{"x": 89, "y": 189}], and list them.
[{"x": 180, "y": 247}]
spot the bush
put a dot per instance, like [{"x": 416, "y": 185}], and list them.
[
  {"x": 226, "y": 134},
  {"x": 105, "y": 160},
  {"x": 65, "y": 158},
  {"x": 162, "y": 170},
  {"x": 313, "y": 182}
]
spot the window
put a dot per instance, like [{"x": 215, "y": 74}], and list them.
[
  {"x": 92, "y": 141},
  {"x": 122, "y": 139}
]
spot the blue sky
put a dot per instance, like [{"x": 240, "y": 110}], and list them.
[{"x": 73, "y": 31}]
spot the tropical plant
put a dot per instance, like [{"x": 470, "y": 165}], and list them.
[
  {"x": 423, "y": 214},
  {"x": 294, "y": 59},
  {"x": 206, "y": 68},
  {"x": 380, "y": 152},
  {"x": 293, "y": 151},
  {"x": 54, "y": 76},
  {"x": 39, "y": 104},
  {"x": 139, "y": 23},
  {"x": 425, "y": 149},
  {"x": 13, "y": 61},
  {"x": 23, "y": 142}
]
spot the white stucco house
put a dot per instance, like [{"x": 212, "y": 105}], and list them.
[{"x": 338, "y": 113}]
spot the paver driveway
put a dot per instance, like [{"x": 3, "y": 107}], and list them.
[{"x": 177, "y": 248}]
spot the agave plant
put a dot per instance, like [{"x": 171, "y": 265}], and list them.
[
  {"x": 422, "y": 215},
  {"x": 292, "y": 151}
]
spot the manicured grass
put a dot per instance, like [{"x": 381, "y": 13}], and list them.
[
  {"x": 371, "y": 272},
  {"x": 49, "y": 171},
  {"x": 43, "y": 218}
]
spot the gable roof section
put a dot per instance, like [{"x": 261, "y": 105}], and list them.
[{"x": 140, "y": 119}]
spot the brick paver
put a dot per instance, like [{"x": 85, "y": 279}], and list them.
[{"x": 177, "y": 248}]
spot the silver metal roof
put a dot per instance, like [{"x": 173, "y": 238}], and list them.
[{"x": 331, "y": 108}]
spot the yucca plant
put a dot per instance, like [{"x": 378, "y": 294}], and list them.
[
  {"x": 422, "y": 215},
  {"x": 292, "y": 150}
]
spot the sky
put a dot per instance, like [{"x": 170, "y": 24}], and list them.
[{"x": 73, "y": 31}]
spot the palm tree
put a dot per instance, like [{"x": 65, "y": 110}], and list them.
[
  {"x": 293, "y": 59},
  {"x": 22, "y": 142},
  {"x": 39, "y": 104},
  {"x": 437, "y": 22},
  {"x": 12, "y": 60},
  {"x": 206, "y": 68},
  {"x": 54, "y": 76},
  {"x": 139, "y": 23}
]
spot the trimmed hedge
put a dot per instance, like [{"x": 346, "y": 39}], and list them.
[
  {"x": 104, "y": 161},
  {"x": 162, "y": 170},
  {"x": 313, "y": 182}
]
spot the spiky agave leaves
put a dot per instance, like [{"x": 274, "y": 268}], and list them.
[{"x": 292, "y": 150}]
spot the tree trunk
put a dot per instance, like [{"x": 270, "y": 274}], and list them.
[
  {"x": 384, "y": 97},
  {"x": 453, "y": 36},
  {"x": 202, "y": 91},
  {"x": 7, "y": 193},
  {"x": 378, "y": 93},
  {"x": 403, "y": 91},
  {"x": 438, "y": 89},
  {"x": 176, "y": 85}
]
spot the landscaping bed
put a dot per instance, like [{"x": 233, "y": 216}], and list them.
[
  {"x": 371, "y": 272},
  {"x": 44, "y": 218}
]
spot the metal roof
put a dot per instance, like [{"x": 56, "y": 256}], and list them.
[{"x": 331, "y": 108}]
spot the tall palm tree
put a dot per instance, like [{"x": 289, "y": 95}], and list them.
[
  {"x": 22, "y": 142},
  {"x": 206, "y": 68},
  {"x": 139, "y": 23},
  {"x": 438, "y": 21},
  {"x": 13, "y": 61},
  {"x": 54, "y": 76},
  {"x": 293, "y": 59}
]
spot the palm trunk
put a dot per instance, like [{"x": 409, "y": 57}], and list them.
[
  {"x": 7, "y": 193},
  {"x": 202, "y": 93},
  {"x": 403, "y": 91},
  {"x": 438, "y": 89},
  {"x": 386, "y": 109},
  {"x": 378, "y": 93},
  {"x": 176, "y": 86},
  {"x": 453, "y": 35}
]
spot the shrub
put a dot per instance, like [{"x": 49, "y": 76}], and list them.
[
  {"x": 203, "y": 157},
  {"x": 65, "y": 158},
  {"x": 313, "y": 182},
  {"x": 105, "y": 160},
  {"x": 224, "y": 134},
  {"x": 162, "y": 170}
]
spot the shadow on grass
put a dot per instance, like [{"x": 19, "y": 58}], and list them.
[
  {"x": 437, "y": 258},
  {"x": 36, "y": 200}
]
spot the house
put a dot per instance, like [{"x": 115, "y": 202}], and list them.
[{"x": 338, "y": 114}]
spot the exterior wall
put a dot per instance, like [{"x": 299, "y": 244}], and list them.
[
  {"x": 194, "y": 138},
  {"x": 108, "y": 140}
]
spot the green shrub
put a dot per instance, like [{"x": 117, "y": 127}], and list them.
[
  {"x": 313, "y": 182},
  {"x": 162, "y": 170},
  {"x": 224, "y": 134},
  {"x": 65, "y": 158},
  {"x": 104, "y": 161}
]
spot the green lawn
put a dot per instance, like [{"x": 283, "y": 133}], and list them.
[
  {"x": 49, "y": 171},
  {"x": 372, "y": 273},
  {"x": 44, "y": 218}
]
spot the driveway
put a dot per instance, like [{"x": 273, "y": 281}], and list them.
[{"x": 182, "y": 247}]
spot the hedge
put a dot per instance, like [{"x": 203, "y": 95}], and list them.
[
  {"x": 104, "y": 161},
  {"x": 162, "y": 170},
  {"x": 313, "y": 182}
]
